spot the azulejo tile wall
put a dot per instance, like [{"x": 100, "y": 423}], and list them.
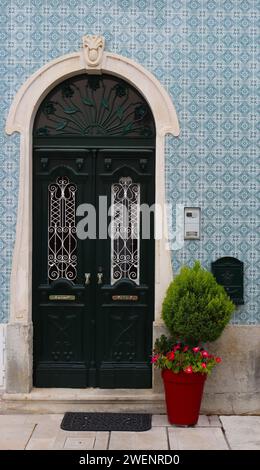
[{"x": 205, "y": 54}]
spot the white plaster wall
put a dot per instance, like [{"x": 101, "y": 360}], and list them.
[{"x": 2, "y": 355}]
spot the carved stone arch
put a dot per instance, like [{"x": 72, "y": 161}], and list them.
[{"x": 91, "y": 59}]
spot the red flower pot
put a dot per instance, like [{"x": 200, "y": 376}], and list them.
[{"x": 183, "y": 394}]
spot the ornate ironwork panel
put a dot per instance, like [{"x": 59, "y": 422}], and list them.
[
  {"x": 62, "y": 243},
  {"x": 94, "y": 105},
  {"x": 125, "y": 242}
]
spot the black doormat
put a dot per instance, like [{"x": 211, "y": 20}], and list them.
[{"x": 106, "y": 422}]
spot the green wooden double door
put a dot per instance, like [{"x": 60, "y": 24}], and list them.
[{"x": 93, "y": 293}]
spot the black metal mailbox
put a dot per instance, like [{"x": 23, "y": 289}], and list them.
[{"x": 229, "y": 272}]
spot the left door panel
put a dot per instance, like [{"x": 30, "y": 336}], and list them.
[{"x": 63, "y": 310}]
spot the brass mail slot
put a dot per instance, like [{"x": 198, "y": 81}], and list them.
[
  {"x": 62, "y": 297},
  {"x": 133, "y": 298}
]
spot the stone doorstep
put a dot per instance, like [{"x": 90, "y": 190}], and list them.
[
  {"x": 88, "y": 394},
  {"x": 58, "y": 400}
]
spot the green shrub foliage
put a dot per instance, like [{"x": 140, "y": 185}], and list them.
[{"x": 196, "y": 308}]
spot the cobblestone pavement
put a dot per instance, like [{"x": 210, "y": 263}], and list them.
[{"x": 36, "y": 431}]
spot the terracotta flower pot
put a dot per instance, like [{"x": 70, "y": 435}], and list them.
[{"x": 183, "y": 394}]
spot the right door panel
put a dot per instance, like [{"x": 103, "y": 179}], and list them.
[{"x": 125, "y": 266}]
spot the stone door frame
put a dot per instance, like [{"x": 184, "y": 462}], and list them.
[{"x": 90, "y": 59}]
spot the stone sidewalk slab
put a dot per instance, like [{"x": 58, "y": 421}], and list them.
[
  {"x": 73, "y": 443},
  {"x": 15, "y": 436},
  {"x": 242, "y": 432},
  {"x": 154, "y": 439},
  {"x": 41, "y": 444},
  {"x": 204, "y": 421},
  {"x": 81, "y": 440},
  {"x": 15, "y": 420},
  {"x": 197, "y": 439}
]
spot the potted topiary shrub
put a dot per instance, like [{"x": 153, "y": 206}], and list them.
[{"x": 195, "y": 310}]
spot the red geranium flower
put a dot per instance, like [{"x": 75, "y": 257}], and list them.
[
  {"x": 205, "y": 354},
  {"x": 170, "y": 355},
  {"x": 218, "y": 359},
  {"x": 203, "y": 365},
  {"x": 186, "y": 348},
  {"x": 154, "y": 358},
  {"x": 188, "y": 370},
  {"x": 196, "y": 349}
]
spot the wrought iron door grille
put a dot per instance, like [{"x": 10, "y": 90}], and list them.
[
  {"x": 62, "y": 242},
  {"x": 125, "y": 243}
]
